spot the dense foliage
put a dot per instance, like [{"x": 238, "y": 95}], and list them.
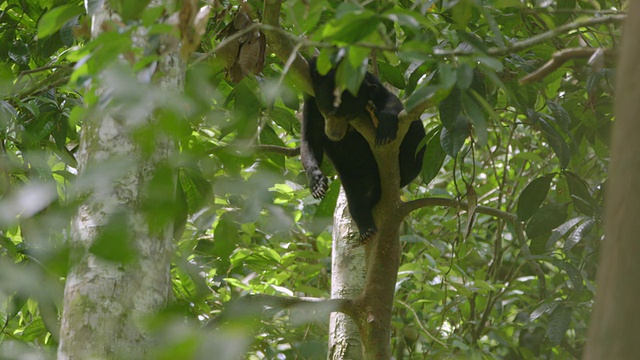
[{"x": 473, "y": 285}]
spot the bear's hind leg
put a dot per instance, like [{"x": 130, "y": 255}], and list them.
[{"x": 362, "y": 196}]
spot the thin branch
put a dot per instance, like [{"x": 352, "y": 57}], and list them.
[
  {"x": 280, "y": 43},
  {"x": 281, "y": 150},
  {"x": 422, "y": 327},
  {"x": 410, "y": 206},
  {"x": 540, "y": 38},
  {"x": 559, "y": 58},
  {"x": 522, "y": 239},
  {"x": 254, "y": 304}
]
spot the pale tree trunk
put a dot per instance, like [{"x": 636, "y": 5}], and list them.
[
  {"x": 615, "y": 325},
  {"x": 105, "y": 301},
  {"x": 348, "y": 276}
]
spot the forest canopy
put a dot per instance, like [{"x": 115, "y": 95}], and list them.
[{"x": 203, "y": 100}]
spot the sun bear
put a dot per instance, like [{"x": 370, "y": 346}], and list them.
[{"x": 347, "y": 149}]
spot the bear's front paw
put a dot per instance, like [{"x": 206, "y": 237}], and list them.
[
  {"x": 319, "y": 184},
  {"x": 386, "y": 133}
]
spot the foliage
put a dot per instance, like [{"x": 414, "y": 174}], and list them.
[{"x": 468, "y": 287}]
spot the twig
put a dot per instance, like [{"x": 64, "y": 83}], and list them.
[
  {"x": 410, "y": 206},
  {"x": 281, "y": 150},
  {"x": 422, "y": 327}
]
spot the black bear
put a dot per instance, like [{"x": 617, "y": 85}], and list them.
[{"x": 347, "y": 149}]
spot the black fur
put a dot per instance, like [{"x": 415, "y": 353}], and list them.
[{"x": 347, "y": 149}]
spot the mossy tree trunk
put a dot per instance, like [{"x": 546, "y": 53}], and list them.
[{"x": 121, "y": 257}]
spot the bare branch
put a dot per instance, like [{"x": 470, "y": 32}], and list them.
[
  {"x": 281, "y": 150},
  {"x": 280, "y": 43},
  {"x": 432, "y": 201},
  {"x": 254, "y": 304},
  {"x": 559, "y": 58},
  {"x": 548, "y": 35}
]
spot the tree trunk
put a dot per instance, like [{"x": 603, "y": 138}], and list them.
[
  {"x": 615, "y": 325},
  {"x": 105, "y": 300},
  {"x": 348, "y": 275}
]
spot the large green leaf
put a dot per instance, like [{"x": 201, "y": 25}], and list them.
[
  {"x": 453, "y": 139},
  {"x": 547, "y": 218},
  {"x": 129, "y": 10},
  {"x": 580, "y": 194},
  {"x": 434, "y": 156},
  {"x": 532, "y": 196},
  {"x": 559, "y": 322},
  {"x": 53, "y": 19}
]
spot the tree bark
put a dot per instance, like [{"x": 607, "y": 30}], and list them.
[
  {"x": 615, "y": 325},
  {"x": 348, "y": 275},
  {"x": 105, "y": 301}
]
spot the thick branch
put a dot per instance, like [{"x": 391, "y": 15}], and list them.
[
  {"x": 559, "y": 58},
  {"x": 279, "y": 42}
]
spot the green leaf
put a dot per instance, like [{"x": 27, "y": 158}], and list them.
[
  {"x": 351, "y": 28},
  {"x": 285, "y": 119},
  {"x": 461, "y": 13},
  {"x": 453, "y": 139},
  {"x": 547, "y": 218},
  {"x": 448, "y": 75},
  {"x": 195, "y": 187},
  {"x": 477, "y": 118},
  {"x": 269, "y": 137},
  {"x": 434, "y": 156},
  {"x": 560, "y": 115},
  {"x": 19, "y": 53},
  {"x": 450, "y": 108},
  {"x": 349, "y": 77},
  {"x": 557, "y": 142},
  {"x": 580, "y": 194},
  {"x": 562, "y": 230},
  {"x": 247, "y": 107},
  {"x": 464, "y": 76},
  {"x": 225, "y": 237},
  {"x": 53, "y": 19},
  {"x": 392, "y": 74},
  {"x": 129, "y": 10},
  {"x": 574, "y": 274},
  {"x": 544, "y": 308},
  {"x": 432, "y": 94},
  {"x": 561, "y": 17},
  {"x": 559, "y": 322},
  {"x": 327, "y": 206},
  {"x": 578, "y": 234},
  {"x": 532, "y": 196},
  {"x": 34, "y": 330},
  {"x": 7, "y": 246}
]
